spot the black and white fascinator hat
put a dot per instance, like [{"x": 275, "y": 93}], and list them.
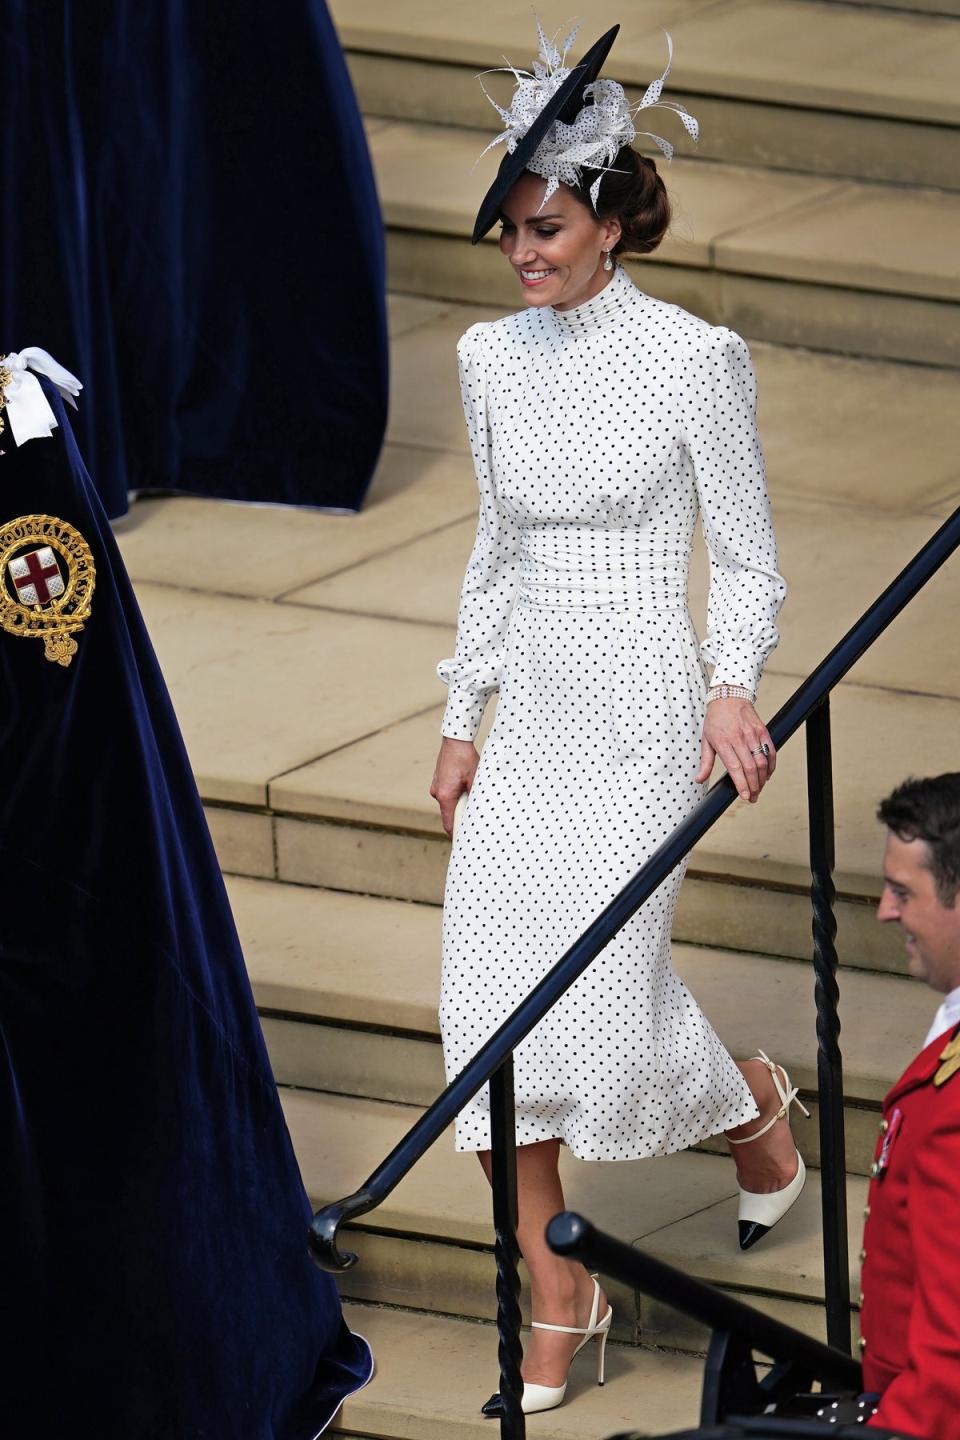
[{"x": 563, "y": 118}]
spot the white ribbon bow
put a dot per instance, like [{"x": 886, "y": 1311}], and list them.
[{"x": 28, "y": 410}]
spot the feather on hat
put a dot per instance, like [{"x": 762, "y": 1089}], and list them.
[{"x": 562, "y": 119}]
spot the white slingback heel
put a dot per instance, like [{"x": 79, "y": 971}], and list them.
[
  {"x": 548, "y": 1397},
  {"x": 758, "y": 1213}
]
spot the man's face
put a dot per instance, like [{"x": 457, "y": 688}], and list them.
[{"x": 931, "y": 930}]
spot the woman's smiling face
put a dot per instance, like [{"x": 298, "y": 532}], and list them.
[{"x": 557, "y": 254}]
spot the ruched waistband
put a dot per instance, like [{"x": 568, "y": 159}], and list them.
[{"x": 590, "y": 567}]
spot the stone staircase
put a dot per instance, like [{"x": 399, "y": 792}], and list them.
[
  {"x": 803, "y": 85},
  {"x": 822, "y": 219}
]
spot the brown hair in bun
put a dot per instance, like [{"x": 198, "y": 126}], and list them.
[{"x": 633, "y": 192}]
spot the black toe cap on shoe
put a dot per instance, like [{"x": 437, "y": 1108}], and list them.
[
  {"x": 493, "y": 1408},
  {"x": 750, "y": 1232}
]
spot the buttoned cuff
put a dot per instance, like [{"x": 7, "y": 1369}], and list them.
[
  {"x": 462, "y": 717},
  {"x": 737, "y": 671}
]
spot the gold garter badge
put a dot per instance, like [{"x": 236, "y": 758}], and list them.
[{"x": 47, "y": 577}]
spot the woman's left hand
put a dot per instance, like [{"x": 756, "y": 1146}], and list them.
[{"x": 733, "y": 730}]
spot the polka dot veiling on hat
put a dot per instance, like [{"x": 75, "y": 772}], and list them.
[{"x": 603, "y": 126}]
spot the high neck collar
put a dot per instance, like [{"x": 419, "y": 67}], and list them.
[{"x": 602, "y": 309}]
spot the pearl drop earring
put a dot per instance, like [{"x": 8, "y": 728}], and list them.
[{"x": 608, "y": 263}]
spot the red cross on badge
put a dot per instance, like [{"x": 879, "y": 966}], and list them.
[
  {"x": 36, "y": 577},
  {"x": 47, "y": 578}
]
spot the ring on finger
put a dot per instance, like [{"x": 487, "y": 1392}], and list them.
[{"x": 763, "y": 749}]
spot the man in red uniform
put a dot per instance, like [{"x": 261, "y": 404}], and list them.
[{"x": 910, "y": 1320}]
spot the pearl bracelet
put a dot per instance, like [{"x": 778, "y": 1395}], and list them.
[{"x": 730, "y": 692}]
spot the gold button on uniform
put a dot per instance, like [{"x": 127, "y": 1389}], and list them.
[
  {"x": 866, "y": 1212},
  {"x": 863, "y": 1256},
  {"x": 860, "y": 1298},
  {"x": 862, "y": 1343},
  {"x": 884, "y": 1126},
  {"x": 874, "y": 1169}
]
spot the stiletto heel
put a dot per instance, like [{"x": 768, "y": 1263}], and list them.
[
  {"x": 601, "y": 1356},
  {"x": 759, "y": 1212},
  {"x": 548, "y": 1397}
]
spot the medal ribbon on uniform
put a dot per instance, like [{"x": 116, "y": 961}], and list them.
[{"x": 883, "y": 1159}]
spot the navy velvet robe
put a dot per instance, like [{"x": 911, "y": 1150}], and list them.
[
  {"x": 154, "y": 1275},
  {"x": 190, "y": 224}
]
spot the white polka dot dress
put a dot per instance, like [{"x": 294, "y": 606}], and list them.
[{"x": 598, "y": 435}]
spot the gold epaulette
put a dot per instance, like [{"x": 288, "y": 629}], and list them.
[{"x": 949, "y": 1060}]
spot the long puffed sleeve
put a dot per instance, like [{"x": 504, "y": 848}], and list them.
[
  {"x": 490, "y": 583},
  {"x": 718, "y": 406}
]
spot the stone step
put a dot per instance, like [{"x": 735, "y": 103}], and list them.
[
  {"x": 360, "y": 819},
  {"x": 839, "y": 265},
  {"x": 347, "y": 989},
  {"x": 429, "y": 1245},
  {"x": 829, "y": 89},
  {"x": 434, "y": 1372},
  {"x": 735, "y": 905},
  {"x": 871, "y": 445},
  {"x": 918, "y": 7},
  {"x": 320, "y": 777}
]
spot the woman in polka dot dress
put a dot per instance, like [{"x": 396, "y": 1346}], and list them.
[{"x": 602, "y": 422}]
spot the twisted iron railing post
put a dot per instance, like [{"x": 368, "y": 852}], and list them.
[
  {"x": 503, "y": 1163},
  {"x": 833, "y": 1171}
]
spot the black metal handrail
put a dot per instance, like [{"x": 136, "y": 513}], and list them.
[
  {"x": 734, "y": 1393},
  {"x": 809, "y": 704},
  {"x": 801, "y": 1359}
]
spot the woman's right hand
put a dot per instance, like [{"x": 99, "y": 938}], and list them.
[{"x": 456, "y": 766}]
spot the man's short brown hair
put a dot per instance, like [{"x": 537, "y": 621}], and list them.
[{"x": 930, "y": 810}]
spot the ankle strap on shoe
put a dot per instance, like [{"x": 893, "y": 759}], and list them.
[
  {"x": 788, "y": 1097},
  {"x": 564, "y": 1329}
]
